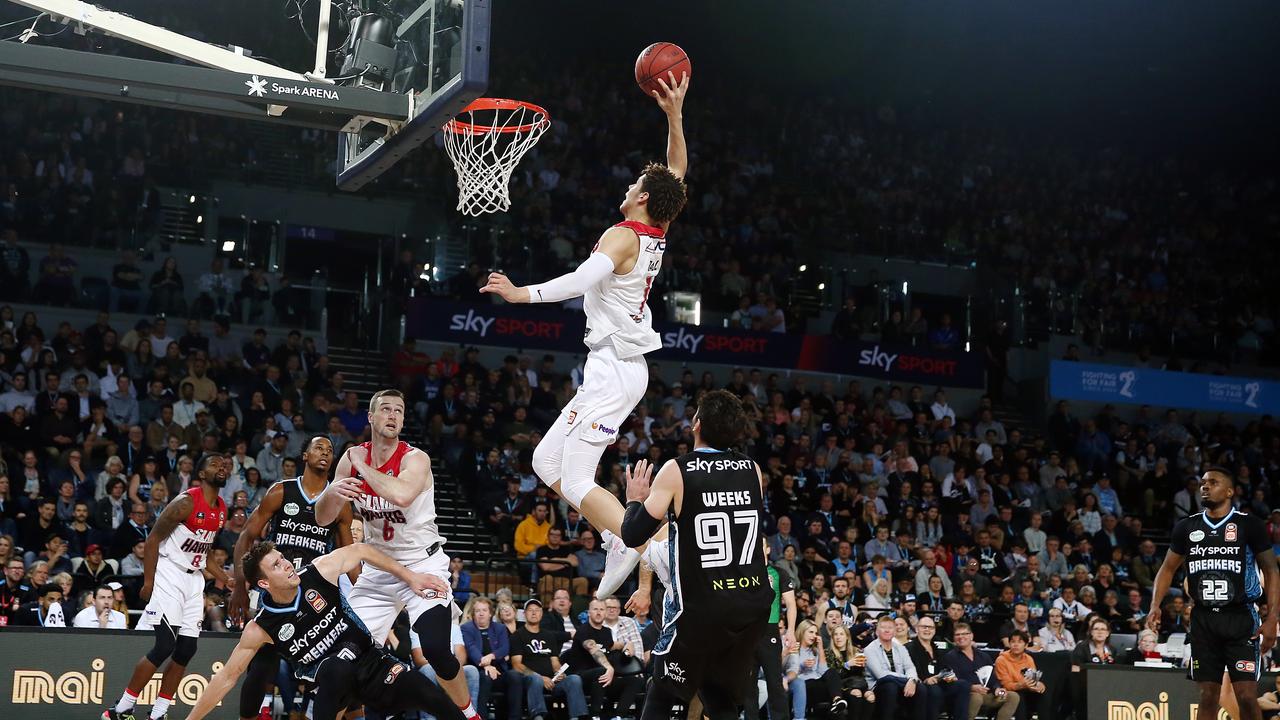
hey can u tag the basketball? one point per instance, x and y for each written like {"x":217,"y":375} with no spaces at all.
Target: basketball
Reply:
{"x":658,"y":59}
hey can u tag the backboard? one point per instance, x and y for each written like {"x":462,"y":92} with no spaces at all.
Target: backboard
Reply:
{"x":437,"y":51}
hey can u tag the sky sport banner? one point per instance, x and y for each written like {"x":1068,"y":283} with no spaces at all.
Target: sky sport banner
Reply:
{"x":76,"y":673}
{"x":1143,"y":386}
{"x":1121,"y":692}
{"x":548,"y":327}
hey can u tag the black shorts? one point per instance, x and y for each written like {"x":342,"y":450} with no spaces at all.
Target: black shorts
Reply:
{"x":700,"y":654}
{"x":1221,"y":640}
{"x":380,"y":682}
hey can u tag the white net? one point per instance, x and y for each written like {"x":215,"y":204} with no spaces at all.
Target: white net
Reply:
{"x":485,"y":143}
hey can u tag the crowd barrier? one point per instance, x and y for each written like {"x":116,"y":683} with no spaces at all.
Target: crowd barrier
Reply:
{"x":58,"y":674}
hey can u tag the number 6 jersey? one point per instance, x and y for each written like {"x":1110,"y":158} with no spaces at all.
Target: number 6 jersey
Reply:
{"x":404,"y":533}
{"x":717,"y":558}
{"x":1221,"y":557}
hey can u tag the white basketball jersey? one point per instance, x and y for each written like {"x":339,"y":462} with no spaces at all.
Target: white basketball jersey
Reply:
{"x":403,"y":533}
{"x":189,"y":544}
{"x":618,"y":307}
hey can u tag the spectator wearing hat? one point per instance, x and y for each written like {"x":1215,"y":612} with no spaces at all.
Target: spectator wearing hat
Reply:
{"x":535,"y":655}
{"x":270,"y":460}
{"x":101,"y":614}
{"x":93,"y":570}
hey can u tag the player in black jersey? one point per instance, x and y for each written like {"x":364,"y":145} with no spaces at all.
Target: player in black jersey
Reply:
{"x":287,"y":513}
{"x":720,"y":597}
{"x":306,"y":617}
{"x":1224,"y":550}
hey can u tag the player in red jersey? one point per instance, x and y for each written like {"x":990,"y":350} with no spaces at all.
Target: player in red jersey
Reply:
{"x":173,"y":585}
{"x":614,"y":282}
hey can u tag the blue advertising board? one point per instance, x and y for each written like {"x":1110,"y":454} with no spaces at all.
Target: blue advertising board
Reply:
{"x":1144,"y":386}
{"x":548,"y":327}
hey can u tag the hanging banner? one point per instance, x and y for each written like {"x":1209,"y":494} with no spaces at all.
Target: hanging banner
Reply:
{"x":549,"y":327}
{"x":1143,"y":386}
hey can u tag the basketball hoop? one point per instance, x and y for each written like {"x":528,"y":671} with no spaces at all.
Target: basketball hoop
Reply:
{"x":485,"y":142}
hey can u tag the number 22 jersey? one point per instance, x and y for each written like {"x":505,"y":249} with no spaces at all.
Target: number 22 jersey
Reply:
{"x":1221,"y":557}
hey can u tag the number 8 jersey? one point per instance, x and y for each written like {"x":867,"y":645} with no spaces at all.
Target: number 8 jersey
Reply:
{"x":1221,"y":557}
{"x":718,"y":564}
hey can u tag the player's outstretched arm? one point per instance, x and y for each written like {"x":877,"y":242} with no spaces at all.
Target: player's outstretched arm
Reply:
{"x":616,"y":251}
{"x":238,"y":606}
{"x":224,"y":681}
{"x":647,"y":506}
{"x":1160,"y":587}
{"x":671,"y":100}
{"x":413,"y":480}
{"x":173,"y":516}
{"x":349,"y":558}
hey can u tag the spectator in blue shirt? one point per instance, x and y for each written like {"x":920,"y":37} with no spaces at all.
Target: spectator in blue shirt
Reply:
{"x":488,"y":646}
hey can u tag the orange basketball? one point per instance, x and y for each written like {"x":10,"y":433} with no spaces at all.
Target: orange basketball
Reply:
{"x":656,"y":61}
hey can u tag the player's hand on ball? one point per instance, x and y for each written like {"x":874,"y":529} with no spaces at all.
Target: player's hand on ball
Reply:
{"x":348,"y":488}
{"x":423,"y":583}
{"x":502,"y":286}
{"x":671,"y":97}
{"x":638,"y":477}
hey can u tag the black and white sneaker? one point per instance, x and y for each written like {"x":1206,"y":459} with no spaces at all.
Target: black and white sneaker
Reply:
{"x":839,"y":707}
{"x":111,"y":714}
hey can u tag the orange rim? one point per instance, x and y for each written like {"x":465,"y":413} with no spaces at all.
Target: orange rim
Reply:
{"x":462,"y":127}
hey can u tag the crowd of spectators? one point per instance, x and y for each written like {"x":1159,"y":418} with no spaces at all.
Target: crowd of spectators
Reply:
{"x":1101,"y":244}
{"x":100,"y":427}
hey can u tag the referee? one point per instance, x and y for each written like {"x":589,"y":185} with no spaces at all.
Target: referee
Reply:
{"x":1224,"y":550}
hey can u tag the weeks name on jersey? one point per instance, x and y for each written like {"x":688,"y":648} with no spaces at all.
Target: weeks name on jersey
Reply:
{"x":722,"y":499}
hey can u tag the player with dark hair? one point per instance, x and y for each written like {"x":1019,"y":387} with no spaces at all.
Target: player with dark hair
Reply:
{"x":720,"y":597}
{"x":174,"y":586}
{"x":1224,"y":550}
{"x":288,"y":513}
{"x":309,"y":621}
{"x":614,"y":283}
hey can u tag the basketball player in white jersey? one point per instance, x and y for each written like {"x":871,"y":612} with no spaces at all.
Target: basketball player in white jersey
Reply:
{"x":391,"y":484}
{"x":173,"y":586}
{"x":614,"y":283}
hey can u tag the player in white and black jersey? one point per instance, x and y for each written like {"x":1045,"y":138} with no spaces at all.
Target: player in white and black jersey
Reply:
{"x":306,"y":617}
{"x":1225,"y":550}
{"x":288,"y":516}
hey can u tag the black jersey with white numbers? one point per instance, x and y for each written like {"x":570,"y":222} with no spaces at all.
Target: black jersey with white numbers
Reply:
{"x":318,"y":624}
{"x":294,"y":529}
{"x":1221,"y":557}
{"x":718,"y":562}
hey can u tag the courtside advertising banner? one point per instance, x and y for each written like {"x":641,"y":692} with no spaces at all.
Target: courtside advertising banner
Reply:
{"x":547,"y":327}
{"x":1143,"y":386}
{"x":56,"y":674}
{"x":1119,"y":692}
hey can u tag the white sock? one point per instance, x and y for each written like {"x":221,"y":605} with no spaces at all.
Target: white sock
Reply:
{"x":606,"y":539}
{"x":267,"y":700}
{"x":161,"y":707}
{"x":127,"y":701}
{"x":469,"y":711}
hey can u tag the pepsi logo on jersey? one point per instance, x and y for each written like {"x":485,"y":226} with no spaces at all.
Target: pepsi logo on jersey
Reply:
{"x":603,"y":428}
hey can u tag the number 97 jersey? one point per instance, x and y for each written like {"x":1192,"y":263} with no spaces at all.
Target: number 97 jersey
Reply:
{"x":1221,"y":557}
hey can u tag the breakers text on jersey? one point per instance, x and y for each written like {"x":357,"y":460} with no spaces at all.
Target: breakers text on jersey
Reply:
{"x":321,"y":646}
{"x":701,"y":465}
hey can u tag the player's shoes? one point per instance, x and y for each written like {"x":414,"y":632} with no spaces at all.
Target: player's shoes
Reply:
{"x":839,"y":707}
{"x":618,"y":565}
{"x":111,"y":714}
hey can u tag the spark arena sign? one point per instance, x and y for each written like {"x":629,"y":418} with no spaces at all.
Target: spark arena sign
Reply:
{"x":549,"y":327}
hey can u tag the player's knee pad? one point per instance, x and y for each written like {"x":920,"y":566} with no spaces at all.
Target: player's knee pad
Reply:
{"x":166,"y":641}
{"x":578,"y":469}
{"x":184,"y":650}
{"x":433,"y":628}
